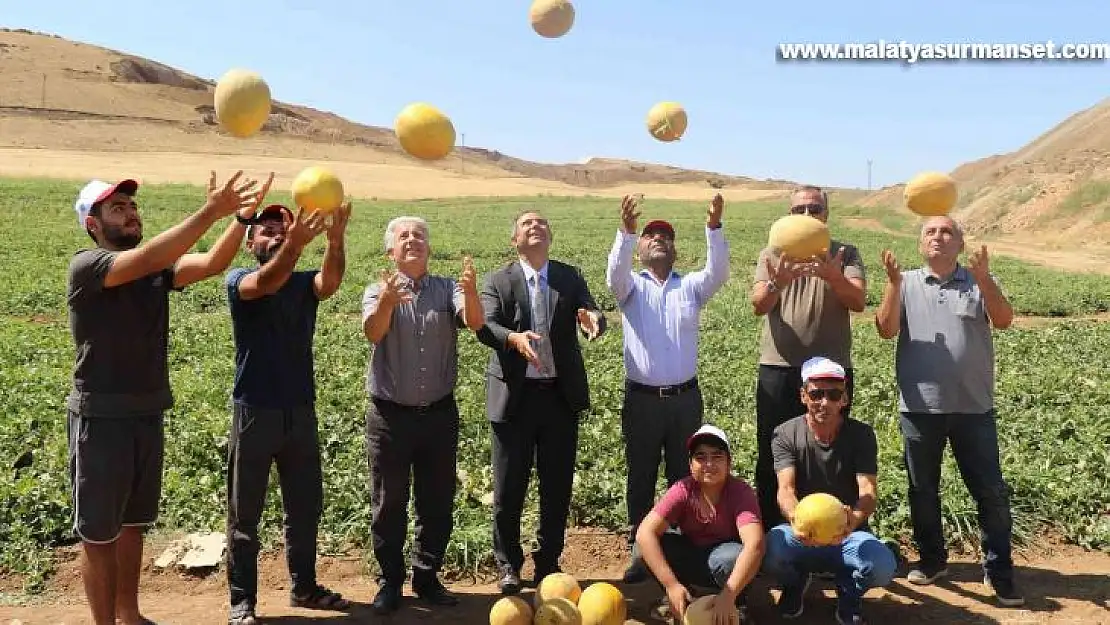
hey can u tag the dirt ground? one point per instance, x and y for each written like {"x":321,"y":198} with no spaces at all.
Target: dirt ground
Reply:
{"x":1062,"y":585}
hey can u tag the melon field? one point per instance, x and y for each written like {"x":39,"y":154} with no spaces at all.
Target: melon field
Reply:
{"x":1053,"y":396}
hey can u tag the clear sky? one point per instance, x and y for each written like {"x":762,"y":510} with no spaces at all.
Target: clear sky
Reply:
{"x":587,"y":93}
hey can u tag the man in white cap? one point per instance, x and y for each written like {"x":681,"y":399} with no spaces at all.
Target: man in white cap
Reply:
{"x":118,"y":297}
{"x":721,"y":544}
{"x":822,"y":451}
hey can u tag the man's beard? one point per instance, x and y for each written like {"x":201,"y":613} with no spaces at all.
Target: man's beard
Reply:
{"x":116,"y":237}
{"x":267,"y":254}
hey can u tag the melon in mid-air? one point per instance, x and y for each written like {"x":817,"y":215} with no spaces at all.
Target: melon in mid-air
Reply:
{"x":700,"y":613}
{"x":242,"y":102}
{"x":799,"y":237}
{"x":510,"y":611}
{"x":317,"y":188}
{"x":558,"y":611}
{"x":424,"y":131}
{"x":820,"y":517}
{"x":558,"y":585}
{"x":666,"y":121}
{"x":601,"y":603}
{"x":551,"y":18}
{"x":931,"y":194}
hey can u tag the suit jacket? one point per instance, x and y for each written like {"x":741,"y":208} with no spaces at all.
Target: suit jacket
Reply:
{"x":507,"y":309}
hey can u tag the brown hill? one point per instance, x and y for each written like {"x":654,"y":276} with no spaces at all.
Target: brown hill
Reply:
{"x":1055,"y":189}
{"x":60,"y":94}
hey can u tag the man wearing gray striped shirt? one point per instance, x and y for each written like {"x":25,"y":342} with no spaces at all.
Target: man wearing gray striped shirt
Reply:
{"x":412,"y":321}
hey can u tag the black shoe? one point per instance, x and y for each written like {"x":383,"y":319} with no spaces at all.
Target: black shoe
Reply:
{"x":388,"y":598}
{"x":510,"y":582}
{"x":1004,"y":591}
{"x":434,"y":593}
{"x":637,"y":572}
{"x":792,"y":601}
{"x":926,"y":573}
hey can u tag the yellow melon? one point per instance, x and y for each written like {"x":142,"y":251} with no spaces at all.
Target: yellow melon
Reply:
{"x":666,"y":121}
{"x":317,"y":188}
{"x":700,"y":613}
{"x":558,"y":585}
{"x":820,"y":517}
{"x":424,"y":131}
{"x":557,"y":611}
{"x":601,"y":603}
{"x":242,"y":102}
{"x":510,"y":611}
{"x":931,"y":194}
{"x":551,"y":18}
{"x":799,"y":237}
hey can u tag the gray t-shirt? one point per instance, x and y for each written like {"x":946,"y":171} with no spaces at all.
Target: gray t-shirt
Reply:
{"x":121,"y":336}
{"x":416,"y":362}
{"x":944,"y":361}
{"x":808,"y":320}
{"x":826,"y":469}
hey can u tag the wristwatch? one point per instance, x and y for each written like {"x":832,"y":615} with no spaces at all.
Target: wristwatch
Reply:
{"x":771,"y":286}
{"x":246,"y":221}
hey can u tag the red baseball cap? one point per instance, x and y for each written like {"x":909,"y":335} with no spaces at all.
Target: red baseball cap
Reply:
{"x":275,"y":209}
{"x":658,"y":224}
{"x":98,"y":191}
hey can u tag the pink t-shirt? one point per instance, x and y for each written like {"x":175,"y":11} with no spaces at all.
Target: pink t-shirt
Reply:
{"x":683,"y":505}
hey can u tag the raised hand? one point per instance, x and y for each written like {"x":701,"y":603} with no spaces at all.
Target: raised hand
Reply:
{"x":338,"y":226}
{"x":629,"y":214}
{"x":890,"y":264}
{"x":588,"y":323}
{"x":304,"y":229}
{"x":978,"y":263}
{"x":395,"y":288}
{"x":469,"y":278}
{"x":713,"y":214}
{"x":828,"y":266}
{"x":785,"y":271}
{"x":251,"y":209}
{"x":227,"y":199}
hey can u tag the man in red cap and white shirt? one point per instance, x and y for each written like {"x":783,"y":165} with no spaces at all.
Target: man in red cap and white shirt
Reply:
{"x":721,"y":544}
{"x":660,"y":311}
{"x":118,"y":297}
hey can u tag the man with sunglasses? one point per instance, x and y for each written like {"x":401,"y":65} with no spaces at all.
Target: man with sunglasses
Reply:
{"x":660,"y":310}
{"x":807,"y":308}
{"x":824,"y":451}
{"x":273,"y":315}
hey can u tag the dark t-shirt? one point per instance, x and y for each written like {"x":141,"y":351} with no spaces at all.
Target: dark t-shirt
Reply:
{"x":827,"y":469}
{"x":273,"y":342}
{"x":121,"y":336}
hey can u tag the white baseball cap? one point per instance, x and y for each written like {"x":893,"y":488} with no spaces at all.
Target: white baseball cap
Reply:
{"x":96,"y":191}
{"x":711,"y":431}
{"x":821,"y":368}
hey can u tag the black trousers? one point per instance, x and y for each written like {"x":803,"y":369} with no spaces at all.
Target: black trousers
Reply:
{"x":421,"y":442}
{"x":545,"y":430}
{"x":655,"y":426}
{"x":260,"y":437}
{"x":777,"y":400}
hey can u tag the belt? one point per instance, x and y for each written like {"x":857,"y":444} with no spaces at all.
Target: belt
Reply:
{"x":663,"y":391}
{"x":544,"y":383}
{"x":419,"y":408}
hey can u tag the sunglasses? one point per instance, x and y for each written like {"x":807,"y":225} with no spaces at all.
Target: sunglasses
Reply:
{"x":817,"y":394}
{"x":811,"y":209}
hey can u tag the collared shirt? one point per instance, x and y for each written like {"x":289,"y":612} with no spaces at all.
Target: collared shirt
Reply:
{"x":416,"y":362}
{"x":944,"y":361}
{"x":660,"y":321}
{"x":529,"y":281}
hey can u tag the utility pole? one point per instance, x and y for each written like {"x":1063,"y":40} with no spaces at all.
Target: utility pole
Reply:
{"x":462,"y":155}
{"x":868,"y":174}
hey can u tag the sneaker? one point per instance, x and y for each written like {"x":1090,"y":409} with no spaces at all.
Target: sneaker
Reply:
{"x":1004,"y":591}
{"x":924,"y":574}
{"x":792,"y":602}
{"x":242,"y":615}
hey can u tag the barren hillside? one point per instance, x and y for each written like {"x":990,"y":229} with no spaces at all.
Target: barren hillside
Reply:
{"x":60,"y":94}
{"x":1054,"y":190}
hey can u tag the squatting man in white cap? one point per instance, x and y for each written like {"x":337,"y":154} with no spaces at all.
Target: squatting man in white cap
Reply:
{"x":118,"y":297}
{"x":721,"y":544}
{"x":822,"y":451}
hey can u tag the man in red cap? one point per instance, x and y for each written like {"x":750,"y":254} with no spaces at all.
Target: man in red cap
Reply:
{"x":118,"y":298}
{"x":273,"y":315}
{"x":660,"y":313}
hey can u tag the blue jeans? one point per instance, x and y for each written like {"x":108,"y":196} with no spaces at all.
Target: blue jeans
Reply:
{"x":859,"y":563}
{"x":707,"y":566}
{"x":974,"y":440}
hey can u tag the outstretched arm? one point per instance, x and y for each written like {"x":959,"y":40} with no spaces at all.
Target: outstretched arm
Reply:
{"x":327,"y":281}
{"x":271,"y":276}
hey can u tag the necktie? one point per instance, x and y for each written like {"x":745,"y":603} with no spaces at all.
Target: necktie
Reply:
{"x":541,"y":326}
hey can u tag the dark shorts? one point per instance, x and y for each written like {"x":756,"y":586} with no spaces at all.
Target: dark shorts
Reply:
{"x":115,"y":473}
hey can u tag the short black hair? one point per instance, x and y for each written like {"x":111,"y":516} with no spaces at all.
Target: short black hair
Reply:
{"x":712,"y":441}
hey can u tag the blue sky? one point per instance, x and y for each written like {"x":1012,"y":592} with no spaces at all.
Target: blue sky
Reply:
{"x":587,"y":93}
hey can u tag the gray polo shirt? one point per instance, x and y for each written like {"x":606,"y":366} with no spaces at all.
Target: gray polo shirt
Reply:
{"x":416,"y":362}
{"x":945,"y":356}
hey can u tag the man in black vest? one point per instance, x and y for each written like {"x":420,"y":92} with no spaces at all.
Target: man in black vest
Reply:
{"x":536,"y":387}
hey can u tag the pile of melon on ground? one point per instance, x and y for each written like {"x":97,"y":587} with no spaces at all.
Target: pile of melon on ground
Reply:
{"x":560,"y":600}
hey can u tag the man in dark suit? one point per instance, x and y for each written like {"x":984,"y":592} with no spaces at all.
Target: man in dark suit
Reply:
{"x":535,"y":389}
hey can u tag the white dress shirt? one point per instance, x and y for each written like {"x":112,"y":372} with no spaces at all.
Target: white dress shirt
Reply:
{"x":660,"y":321}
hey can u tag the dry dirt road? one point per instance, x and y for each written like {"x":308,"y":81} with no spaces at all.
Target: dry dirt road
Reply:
{"x":1061,"y":584}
